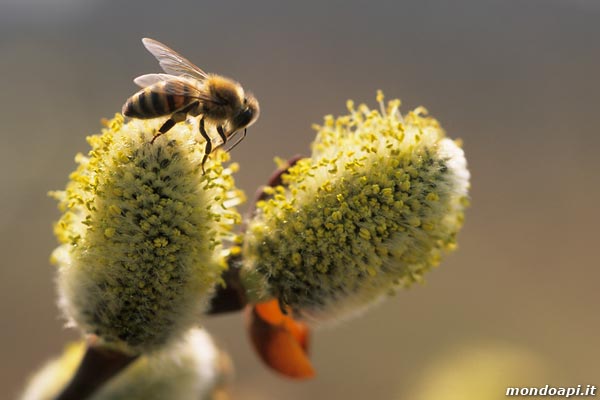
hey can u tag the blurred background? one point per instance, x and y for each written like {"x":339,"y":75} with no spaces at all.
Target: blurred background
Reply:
{"x":518,"y":81}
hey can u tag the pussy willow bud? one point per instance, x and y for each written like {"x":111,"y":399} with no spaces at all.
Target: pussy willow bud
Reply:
{"x":141,"y":232}
{"x":192,"y":369}
{"x":372,"y":210}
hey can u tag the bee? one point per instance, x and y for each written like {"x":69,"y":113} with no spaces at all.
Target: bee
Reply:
{"x":186,"y":90}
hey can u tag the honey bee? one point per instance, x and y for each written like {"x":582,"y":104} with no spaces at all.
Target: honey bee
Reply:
{"x":186,"y":90}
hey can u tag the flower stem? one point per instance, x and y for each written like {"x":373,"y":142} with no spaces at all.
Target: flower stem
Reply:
{"x":98,"y":365}
{"x":231,"y":297}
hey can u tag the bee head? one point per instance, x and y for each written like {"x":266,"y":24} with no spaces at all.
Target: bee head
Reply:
{"x":248,"y":113}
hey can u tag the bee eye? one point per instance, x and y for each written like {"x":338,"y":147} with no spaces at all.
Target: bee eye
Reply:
{"x":244,"y":117}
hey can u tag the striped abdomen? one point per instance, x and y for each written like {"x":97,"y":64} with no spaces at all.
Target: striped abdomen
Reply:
{"x":154,"y":101}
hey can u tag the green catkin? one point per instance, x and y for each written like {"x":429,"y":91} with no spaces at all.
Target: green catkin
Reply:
{"x":142,"y":232}
{"x":380,"y":199}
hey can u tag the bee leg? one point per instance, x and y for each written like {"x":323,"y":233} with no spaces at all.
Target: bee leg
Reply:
{"x":221,"y":135}
{"x":208,"y":147}
{"x":176,"y":118}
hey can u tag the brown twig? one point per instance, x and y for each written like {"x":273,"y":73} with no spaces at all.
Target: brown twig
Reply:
{"x":232,"y":296}
{"x":98,"y":365}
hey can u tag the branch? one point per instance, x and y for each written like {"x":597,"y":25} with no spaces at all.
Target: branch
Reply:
{"x":97,"y":367}
{"x":232,"y":296}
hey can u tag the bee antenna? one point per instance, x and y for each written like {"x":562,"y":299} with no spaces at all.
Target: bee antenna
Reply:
{"x":238,"y":141}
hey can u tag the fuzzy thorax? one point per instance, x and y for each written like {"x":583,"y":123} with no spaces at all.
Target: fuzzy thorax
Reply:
{"x":373,"y":208}
{"x":142,"y":232}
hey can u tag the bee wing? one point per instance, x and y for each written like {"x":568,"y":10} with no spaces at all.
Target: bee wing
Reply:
{"x":177,"y":85}
{"x":171,"y":61}
{"x":151,"y":79}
